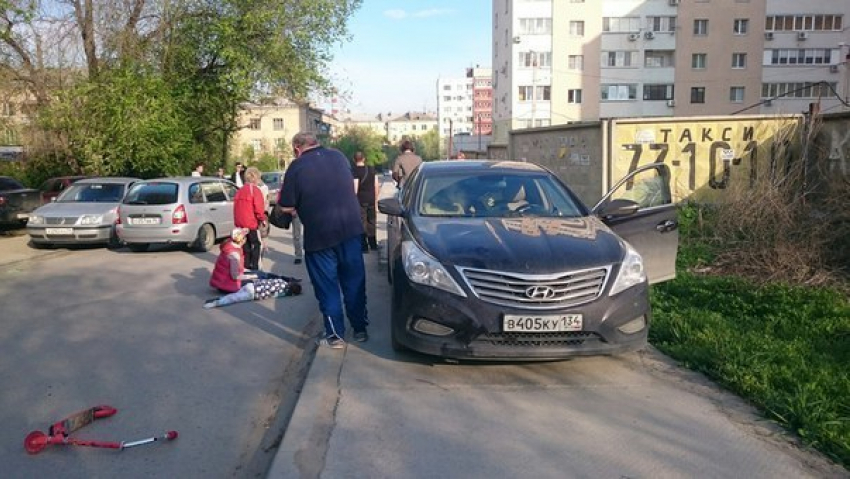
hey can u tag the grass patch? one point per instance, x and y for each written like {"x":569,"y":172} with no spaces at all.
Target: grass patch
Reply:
{"x":784,"y":348}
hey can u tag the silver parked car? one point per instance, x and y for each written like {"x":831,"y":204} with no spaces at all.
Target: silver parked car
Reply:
{"x":194,"y":211}
{"x":85,"y":213}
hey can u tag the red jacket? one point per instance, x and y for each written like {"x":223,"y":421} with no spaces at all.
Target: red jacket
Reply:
{"x":221,"y":278}
{"x":249,"y":207}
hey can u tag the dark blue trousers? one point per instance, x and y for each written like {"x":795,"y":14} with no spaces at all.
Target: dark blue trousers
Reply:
{"x":334,"y":270}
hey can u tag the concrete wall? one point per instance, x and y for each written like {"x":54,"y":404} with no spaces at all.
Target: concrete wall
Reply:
{"x":575,"y":153}
{"x":833,"y":142}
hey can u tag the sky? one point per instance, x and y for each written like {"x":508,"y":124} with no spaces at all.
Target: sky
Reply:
{"x":399,"y":48}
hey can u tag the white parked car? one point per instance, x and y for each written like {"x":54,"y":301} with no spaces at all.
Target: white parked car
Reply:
{"x":84,"y":213}
{"x":194,"y":211}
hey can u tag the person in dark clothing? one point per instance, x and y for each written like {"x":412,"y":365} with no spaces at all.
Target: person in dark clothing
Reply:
{"x":318,"y":187}
{"x":238,"y":176}
{"x":366,"y":186}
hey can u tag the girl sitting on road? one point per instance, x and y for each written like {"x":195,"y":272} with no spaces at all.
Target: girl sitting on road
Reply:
{"x":229,"y":276}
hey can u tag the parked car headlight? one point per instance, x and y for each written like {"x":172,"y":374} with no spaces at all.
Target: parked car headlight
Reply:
{"x":423,"y":269}
{"x":91,"y":220}
{"x":631,"y":272}
{"x":35,"y":220}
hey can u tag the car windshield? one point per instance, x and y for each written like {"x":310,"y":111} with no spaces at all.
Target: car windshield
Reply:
{"x":154,"y":193}
{"x":92,"y":193}
{"x":271,"y":179}
{"x":496,"y":196}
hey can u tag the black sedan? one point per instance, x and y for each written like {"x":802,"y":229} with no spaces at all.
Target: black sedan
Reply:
{"x":500,"y":260}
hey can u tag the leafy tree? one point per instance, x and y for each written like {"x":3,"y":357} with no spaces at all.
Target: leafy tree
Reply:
{"x":174,"y":73}
{"x":363,"y":139}
{"x":428,"y":145}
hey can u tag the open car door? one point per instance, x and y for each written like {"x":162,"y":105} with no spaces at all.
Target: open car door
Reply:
{"x":640,"y":209}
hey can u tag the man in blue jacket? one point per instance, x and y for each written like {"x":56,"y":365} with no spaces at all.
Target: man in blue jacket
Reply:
{"x":319,"y":189}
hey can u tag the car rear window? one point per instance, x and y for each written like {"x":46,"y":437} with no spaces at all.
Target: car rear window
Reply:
{"x":10,"y":184}
{"x":271,"y":179}
{"x":153,"y":193}
{"x":92,"y":193}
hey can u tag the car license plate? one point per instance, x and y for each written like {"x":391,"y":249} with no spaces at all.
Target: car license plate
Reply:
{"x":144,"y":221}
{"x":541,"y":324}
{"x":23,"y":216}
{"x":59,"y":231}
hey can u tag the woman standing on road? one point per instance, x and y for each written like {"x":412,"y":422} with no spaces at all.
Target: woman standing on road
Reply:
{"x":249,"y":212}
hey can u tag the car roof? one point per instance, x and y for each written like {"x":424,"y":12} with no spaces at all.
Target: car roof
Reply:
{"x":465,"y":166}
{"x":108,"y":179}
{"x":185,"y":180}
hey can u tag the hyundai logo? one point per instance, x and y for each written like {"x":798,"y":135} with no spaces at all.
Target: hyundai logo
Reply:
{"x":540,"y":292}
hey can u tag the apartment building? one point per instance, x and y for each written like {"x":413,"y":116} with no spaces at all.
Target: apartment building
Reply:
{"x":268,"y":128}
{"x":464,"y":105}
{"x":560,"y":61}
{"x":394,"y":128}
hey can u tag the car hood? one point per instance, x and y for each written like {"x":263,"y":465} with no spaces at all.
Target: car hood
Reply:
{"x":75,"y":209}
{"x":523,"y":245}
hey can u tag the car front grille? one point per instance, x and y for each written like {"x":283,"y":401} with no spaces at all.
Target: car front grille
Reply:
{"x":60,"y":220}
{"x":521,"y":340}
{"x":536,"y":291}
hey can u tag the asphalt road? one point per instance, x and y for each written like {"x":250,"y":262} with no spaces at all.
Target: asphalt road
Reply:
{"x":88,"y":326}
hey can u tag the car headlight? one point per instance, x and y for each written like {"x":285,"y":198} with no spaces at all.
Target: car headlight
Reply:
{"x":631,"y":272}
{"x":35,"y":220}
{"x":423,"y":269}
{"x":90,"y":220}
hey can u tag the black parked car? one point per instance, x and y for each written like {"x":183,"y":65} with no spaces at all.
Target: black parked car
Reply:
{"x":17,"y":202}
{"x":500,"y":260}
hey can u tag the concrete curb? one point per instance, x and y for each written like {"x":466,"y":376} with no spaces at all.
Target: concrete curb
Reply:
{"x":305,"y":443}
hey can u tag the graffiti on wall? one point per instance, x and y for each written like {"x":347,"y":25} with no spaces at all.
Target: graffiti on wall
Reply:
{"x":707,"y":156}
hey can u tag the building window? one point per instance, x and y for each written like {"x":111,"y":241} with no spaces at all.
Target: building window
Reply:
{"x":257,"y":145}
{"x":254,"y":124}
{"x":8,"y":109}
{"x":829,"y":23}
{"x":577,"y":28}
{"x":535,"y":59}
{"x":800,"y":56}
{"x":701,"y":27}
{"x":447,"y":87}
{"x":661,"y":24}
{"x":620,"y":24}
{"x":658,"y":92}
{"x":277,"y":124}
{"x":619,"y":58}
{"x":698,"y":61}
{"x":739,"y":60}
{"x":616,"y":92}
{"x":575,"y":62}
{"x":574,"y":96}
{"x":524,"y":93}
{"x":736,"y":94}
{"x":535,"y":26}
{"x":797,"y":90}
{"x":740,"y":26}
{"x":659,"y":58}
{"x":544,"y":93}
{"x":698,"y":94}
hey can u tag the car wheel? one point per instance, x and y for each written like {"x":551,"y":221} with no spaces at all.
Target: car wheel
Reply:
{"x":206,"y":238}
{"x":114,"y":242}
{"x":138,"y":247}
{"x":395,"y":318}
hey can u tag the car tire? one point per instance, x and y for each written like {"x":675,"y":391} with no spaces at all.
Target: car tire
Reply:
{"x":114,"y":242}
{"x":138,"y":247}
{"x":395,"y":319}
{"x":206,"y":238}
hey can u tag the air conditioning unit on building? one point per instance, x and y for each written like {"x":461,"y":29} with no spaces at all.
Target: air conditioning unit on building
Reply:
{"x":633,"y":36}
{"x":674,"y":2}
{"x":671,"y":103}
{"x":767,"y":103}
{"x":802,"y":35}
{"x":649,"y":35}
{"x":768,"y":35}
{"x":833,"y":69}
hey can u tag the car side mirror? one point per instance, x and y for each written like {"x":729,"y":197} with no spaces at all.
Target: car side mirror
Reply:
{"x":390,"y":206}
{"x":618,"y":208}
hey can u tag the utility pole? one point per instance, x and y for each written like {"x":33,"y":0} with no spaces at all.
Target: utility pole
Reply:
{"x":479,"y":133}
{"x":451,"y":139}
